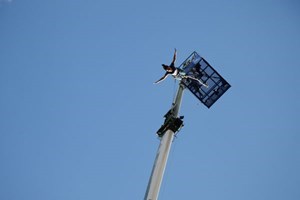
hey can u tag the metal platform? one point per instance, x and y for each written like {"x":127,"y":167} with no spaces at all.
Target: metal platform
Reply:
{"x":197,"y":67}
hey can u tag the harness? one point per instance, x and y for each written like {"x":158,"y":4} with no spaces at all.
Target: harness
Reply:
{"x":178,"y":74}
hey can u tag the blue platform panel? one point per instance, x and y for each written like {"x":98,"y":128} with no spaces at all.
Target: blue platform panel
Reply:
{"x":197,"y":67}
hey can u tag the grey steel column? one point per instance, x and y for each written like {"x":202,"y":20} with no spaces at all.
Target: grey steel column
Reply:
{"x":163,"y":152}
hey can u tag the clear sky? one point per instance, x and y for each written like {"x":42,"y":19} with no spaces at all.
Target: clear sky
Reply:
{"x":79,"y":111}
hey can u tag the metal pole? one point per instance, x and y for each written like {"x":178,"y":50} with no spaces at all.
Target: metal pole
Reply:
{"x":163,"y":152}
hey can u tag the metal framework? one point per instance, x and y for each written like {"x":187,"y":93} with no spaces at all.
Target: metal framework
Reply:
{"x":198,"y":68}
{"x":208,"y":86}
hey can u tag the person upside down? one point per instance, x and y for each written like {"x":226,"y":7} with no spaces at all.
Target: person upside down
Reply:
{"x":176,"y":72}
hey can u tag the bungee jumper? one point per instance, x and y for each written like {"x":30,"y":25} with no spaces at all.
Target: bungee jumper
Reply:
{"x":170,"y":69}
{"x":177,"y":73}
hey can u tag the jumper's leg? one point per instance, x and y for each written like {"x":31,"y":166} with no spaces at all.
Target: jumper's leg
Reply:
{"x":204,"y":84}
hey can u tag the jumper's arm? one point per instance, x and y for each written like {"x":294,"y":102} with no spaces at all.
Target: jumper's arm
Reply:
{"x":174,"y":57}
{"x":162,"y":78}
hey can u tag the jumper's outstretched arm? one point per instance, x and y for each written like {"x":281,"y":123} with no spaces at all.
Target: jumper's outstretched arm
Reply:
{"x":161,"y":79}
{"x":174,"y":57}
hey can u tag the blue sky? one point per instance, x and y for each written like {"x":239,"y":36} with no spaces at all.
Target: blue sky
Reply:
{"x":79,"y":111}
